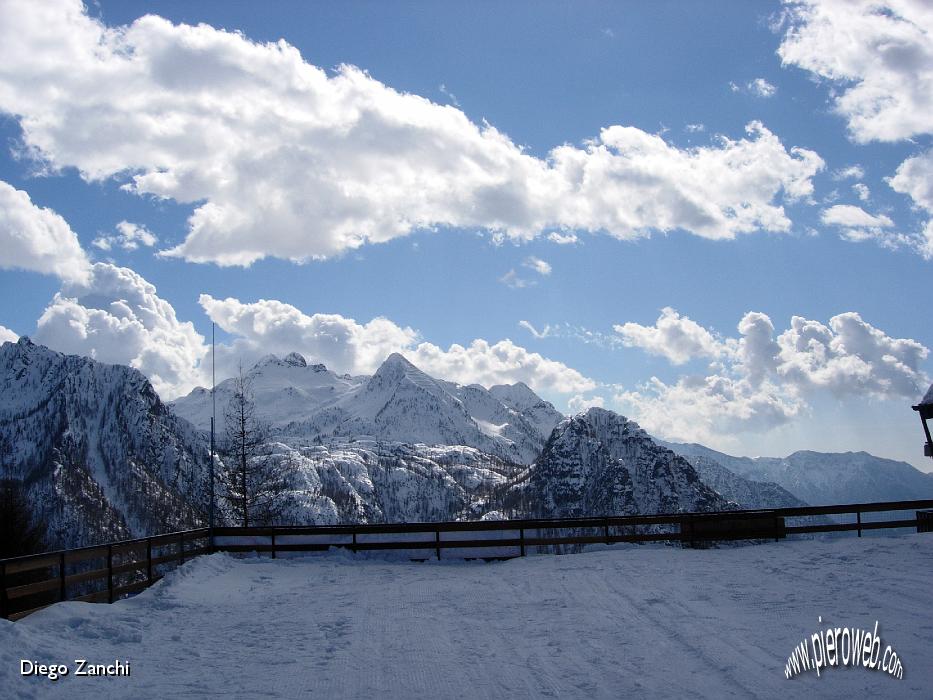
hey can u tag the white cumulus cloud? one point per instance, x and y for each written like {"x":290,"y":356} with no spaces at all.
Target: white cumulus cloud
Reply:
{"x":515,"y":281}
{"x":117,"y":317}
{"x":562,"y":238}
{"x":676,"y":337}
{"x":538,"y":265}
{"x":850,"y":357}
{"x":857,"y":225}
{"x":765,"y":380}
{"x":279,"y":158}
{"x":346,"y":345}
{"x":579,"y":403}
{"x":761,"y":88}
{"x":878,"y":52}
{"x":8,"y":336}
{"x":503,"y":362}
{"x":850,"y":216}
{"x":271,"y":326}
{"x":699,"y":409}
{"x":851,"y":172}
{"x":36,"y":238}
{"x":879,"y":56}
{"x":129,"y":236}
{"x":914,"y":177}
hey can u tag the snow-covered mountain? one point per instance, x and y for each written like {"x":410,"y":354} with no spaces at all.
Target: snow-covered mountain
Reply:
{"x":600,"y":463}
{"x":399,"y":403}
{"x":101,"y":456}
{"x":746,"y":492}
{"x":821,"y":478}
{"x":285,"y":390}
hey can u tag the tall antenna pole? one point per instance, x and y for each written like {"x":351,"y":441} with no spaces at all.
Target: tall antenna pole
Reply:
{"x":213,"y":417}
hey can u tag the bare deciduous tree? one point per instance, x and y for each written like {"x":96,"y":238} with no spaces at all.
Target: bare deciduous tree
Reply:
{"x":254,"y":481}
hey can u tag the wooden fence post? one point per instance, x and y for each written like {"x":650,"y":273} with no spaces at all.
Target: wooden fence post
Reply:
{"x":181,"y":546}
{"x":149,"y":560}
{"x":858,"y":516}
{"x":521,"y":537}
{"x":353,"y":546}
{"x":109,"y":573}
{"x":61,"y":576}
{"x":4,"y":612}
{"x":607,"y":530}
{"x":437,"y":540}
{"x":273,"y":544}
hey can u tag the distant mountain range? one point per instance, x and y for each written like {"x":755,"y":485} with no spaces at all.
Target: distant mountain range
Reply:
{"x":822,"y":478}
{"x":399,"y":403}
{"x":102,"y":457}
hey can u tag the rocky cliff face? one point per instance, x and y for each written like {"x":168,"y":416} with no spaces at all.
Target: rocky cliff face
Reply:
{"x":600,"y":463}
{"x":100,"y":455}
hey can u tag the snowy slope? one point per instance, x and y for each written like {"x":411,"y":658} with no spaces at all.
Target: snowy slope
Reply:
{"x":285,"y":390}
{"x":745,"y":492}
{"x":821,"y":478}
{"x":541,"y":414}
{"x":631,"y":622}
{"x":600,"y":463}
{"x":101,"y":456}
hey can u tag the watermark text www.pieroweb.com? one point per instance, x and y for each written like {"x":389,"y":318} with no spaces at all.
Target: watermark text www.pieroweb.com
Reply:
{"x":832,"y":647}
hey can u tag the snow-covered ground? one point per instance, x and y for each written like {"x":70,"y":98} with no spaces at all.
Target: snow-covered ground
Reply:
{"x":631,"y":621}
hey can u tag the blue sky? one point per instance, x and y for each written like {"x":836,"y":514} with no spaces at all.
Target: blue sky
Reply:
{"x":470,"y":261}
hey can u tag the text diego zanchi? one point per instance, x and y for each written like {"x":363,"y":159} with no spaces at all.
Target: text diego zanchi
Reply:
{"x":81,"y":667}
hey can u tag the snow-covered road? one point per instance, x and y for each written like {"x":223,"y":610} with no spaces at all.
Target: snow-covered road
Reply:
{"x":632,"y":621}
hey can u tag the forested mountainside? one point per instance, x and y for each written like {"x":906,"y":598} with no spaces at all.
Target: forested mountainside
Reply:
{"x":100,"y":456}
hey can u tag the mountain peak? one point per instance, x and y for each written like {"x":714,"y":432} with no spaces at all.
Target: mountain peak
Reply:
{"x":601,"y":463}
{"x":397,"y":360}
{"x":518,"y":395}
{"x":265,"y":360}
{"x":295,"y":359}
{"x":597,"y":416}
{"x":395,"y":367}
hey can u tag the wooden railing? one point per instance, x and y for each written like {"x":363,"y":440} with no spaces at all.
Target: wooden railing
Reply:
{"x":503,"y":539}
{"x":93,"y":574}
{"x":33,"y":582}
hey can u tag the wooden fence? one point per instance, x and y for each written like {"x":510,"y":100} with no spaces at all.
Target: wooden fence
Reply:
{"x":33,"y":582}
{"x":519,"y":535}
{"x":103,"y":573}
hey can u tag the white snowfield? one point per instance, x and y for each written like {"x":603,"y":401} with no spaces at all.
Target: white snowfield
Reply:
{"x":631,"y":621}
